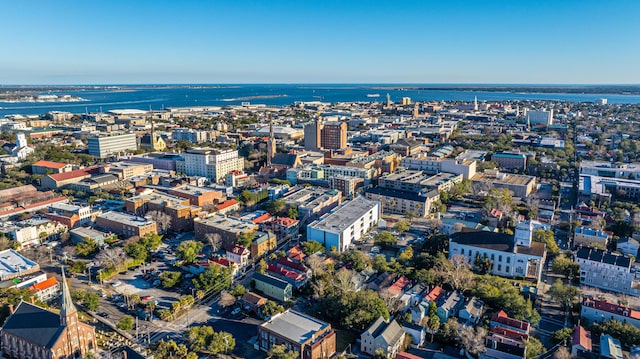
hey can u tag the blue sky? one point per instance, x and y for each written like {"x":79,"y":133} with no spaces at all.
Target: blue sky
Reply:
{"x":348,"y":41}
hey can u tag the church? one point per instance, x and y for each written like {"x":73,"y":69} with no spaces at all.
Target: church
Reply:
{"x":33,"y":332}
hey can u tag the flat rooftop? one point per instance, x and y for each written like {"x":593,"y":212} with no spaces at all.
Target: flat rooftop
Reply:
{"x":228,"y":224}
{"x":345,"y":215}
{"x":295,"y":326}
{"x":509,"y":179}
{"x":11,"y":263}
{"x":127,"y":219}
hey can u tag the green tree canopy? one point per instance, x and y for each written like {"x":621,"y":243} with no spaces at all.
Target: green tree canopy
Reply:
{"x":170,"y":279}
{"x":125,"y":323}
{"x":354,"y":310}
{"x":188,"y":251}
{"x":312,"y":247}
{"x":385,"y":238}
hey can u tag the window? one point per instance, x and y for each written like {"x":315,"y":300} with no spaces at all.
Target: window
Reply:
{"x":507,"y":269}
{"x":499,"y":267}
{"x":508,"y":259}
{"x":499,"y":259}
{"x":493,"y":256}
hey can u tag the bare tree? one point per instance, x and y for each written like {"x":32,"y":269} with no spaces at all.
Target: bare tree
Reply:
{"x":319,"y":288}
{"x":435,"y":225}
{"x":562,"y":353}
{"x":472,"y":340}
{"x":214,"y":240}
{"x":227,"y":299}
{"x":162,"y":219}
{"x":458,"y":227}
{"x":456,"y":271}
{"x":391,"y":300}
{"x":342,"y":280}
{"x":112,"y":257}
{"x":316,"y":264}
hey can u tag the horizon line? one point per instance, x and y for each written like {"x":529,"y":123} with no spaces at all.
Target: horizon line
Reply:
{"x":469,"y":84}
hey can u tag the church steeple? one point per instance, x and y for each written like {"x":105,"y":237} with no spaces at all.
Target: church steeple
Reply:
{"x":271,"y":143}
{"x":68,"y":312}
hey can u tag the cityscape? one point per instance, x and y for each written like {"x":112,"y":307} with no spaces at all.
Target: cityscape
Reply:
{"x":156,"y":206}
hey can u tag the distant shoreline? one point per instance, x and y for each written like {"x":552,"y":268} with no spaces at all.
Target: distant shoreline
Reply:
{"x":525,"y":89}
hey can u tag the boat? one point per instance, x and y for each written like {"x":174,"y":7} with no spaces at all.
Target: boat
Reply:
{"x":373,"y":95}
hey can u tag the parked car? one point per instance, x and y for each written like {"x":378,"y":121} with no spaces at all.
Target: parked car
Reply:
{"x":116,"y":283}
{"x":236,"y":311}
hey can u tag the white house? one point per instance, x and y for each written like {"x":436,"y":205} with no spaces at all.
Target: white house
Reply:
{"x":608,"y":271}
{"x":628,"y":246}
{"x":238,"y":254}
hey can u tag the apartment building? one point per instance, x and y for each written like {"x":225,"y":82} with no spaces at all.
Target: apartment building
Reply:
{"x":608,"y":271}
{"x":595,"y":310}
{"x":433,"y":164}
{"x":179,"y":209}
{"x":72,"y":215}
{"x":346,"y":224}
{"x":394,"y":201}
{"x":210,"y":163}
{"x":313,"y":202}
{"x":520,"y":185}
{"x":311,"y":338}
{"x":589,"y":237}
{"x":126,"y":225}
{"x":229,"y":228}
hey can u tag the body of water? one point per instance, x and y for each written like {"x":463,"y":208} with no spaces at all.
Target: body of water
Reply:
{"x":143,"y":98}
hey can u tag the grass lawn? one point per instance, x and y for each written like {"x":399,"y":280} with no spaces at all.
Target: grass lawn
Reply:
{"x":345,"y":337}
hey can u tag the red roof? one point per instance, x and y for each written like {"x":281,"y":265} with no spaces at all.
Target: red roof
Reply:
{"x":296,"y":253}
{"x":238,"y":249}
{"x":226,"y":204}
{"x":284,"y":272}
{"x":502,"y":318}
{"x":581,"y":337}
{"x":509,"y":333}
{"x":399,"y":285}
{"x":405,"y":355}
{"x":263,"y":218}
{"x":434,"y":294}
{"x":609,"y":307}
{"x":46,"y":284}
{"x":222,"y":261}
{"x":72,"y":174}
{"x":286,"y":221}
{"x":285,"y":261}
{"x":49,"y":164}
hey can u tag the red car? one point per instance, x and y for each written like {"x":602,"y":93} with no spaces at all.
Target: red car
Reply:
{"x":145,"y":298}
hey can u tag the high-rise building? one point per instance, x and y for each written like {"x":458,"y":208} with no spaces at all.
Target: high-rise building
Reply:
{"x":334,"y":135}
{"x":211,"y":163}
{"x":105,"y":146}
{"x":190,"y":135}
{"x":312,"y":136}
{"x":406,"y":101}
{"x":539,"y":117}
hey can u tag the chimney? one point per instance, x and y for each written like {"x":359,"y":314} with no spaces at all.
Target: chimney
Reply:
{"x":11,"y":308}
{"x":33,"y":300}
{"x":124,"y":354}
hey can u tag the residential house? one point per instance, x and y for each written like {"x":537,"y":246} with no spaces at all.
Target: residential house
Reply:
{"x":46,"y":290}
{"x":263,"y":242}
{"x":449,"y":306}
{"x":273,"y":287}
{"x":228,"y":206}
{"x":505,"y":343}
{"x":589,"y":237}
{"x":296,"y":279}
{"x":610,"y":347}
{"x":253,"y":302}
{"x":416,"y":332}
{"x":628,"y":246}
{"x":309,"y":337}
{"x":580,"y":341}
{"x":501,"y":319}
{"x":595,"y":310}
{"x":238,"y":254}
{"x":382,"y":334}
{"x":471,"y":311}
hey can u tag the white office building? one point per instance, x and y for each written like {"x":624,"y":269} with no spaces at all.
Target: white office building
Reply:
{"x":608,"y":271}
{"x":539,"y":117}
{"x":346,"y":224}
{"x":105,"y":146}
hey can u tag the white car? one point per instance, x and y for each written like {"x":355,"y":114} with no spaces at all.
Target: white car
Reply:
{"x":116,"y":283}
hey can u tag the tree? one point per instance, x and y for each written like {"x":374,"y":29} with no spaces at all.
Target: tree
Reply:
{"x":137,"y":251}
{"x":498,"y":292}
{"x":316,"y":264}
{"x":87,"y":247}
{"x":562,"y":353}
{"x":213,"y":278}
{"x":276,"y":207}
{"x":312,"y":247}
{"x":188,"y":251}
{"x":456,"y":271}
{"x":170,"y":279}
{"x":281,"y":352}
{"x":406,"y":255}
{"x":534,"y":348}
{"x":162,"y":220}
{"x":483,"y":264}
{"x":238,"y":291}
{"x":227,"y":299}
{"x":560,"y":336}
{"x":151,"y":241}
{"x":547,"y":237}
{"x":385,"y":238}
{"x":293,"y":212}
{"x":565,"y":294}
{"x":564,"y":265}
{"x":402,"y":226}
{"x":214,"y":240}
{"x":472,"y":340}
{"x":354,"y":310}
{"x":628,"y":334}
{"x":410,"y":216}
{"x":172,"y":350}
{"x":262,"y":266}
{"x":270,"y":308}
{"x":125,"y":323}
{"x":205,"y":339}
{"x":245,"y":238}
{"x":380,"y":263}
{"x":91,"y":301}
{"x":431,"y":323}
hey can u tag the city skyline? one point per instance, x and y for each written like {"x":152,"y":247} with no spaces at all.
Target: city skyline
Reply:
{"x":412,"y":42}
